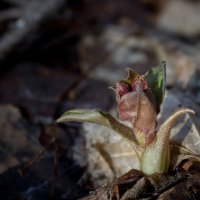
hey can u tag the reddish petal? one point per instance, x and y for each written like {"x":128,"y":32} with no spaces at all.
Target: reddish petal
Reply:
{"x":138,"y":110}
{"x":121,"y":90}
{"x":146,"y":118}
{"x":127,"y":107}
{"x":139,"y":84}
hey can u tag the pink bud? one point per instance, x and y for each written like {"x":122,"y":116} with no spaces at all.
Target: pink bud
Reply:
{"x":136,"y":106}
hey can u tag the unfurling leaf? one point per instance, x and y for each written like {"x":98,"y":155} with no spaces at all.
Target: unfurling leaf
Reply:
{"x":156,"y":78}
{"x":102,"y":118}
{"x":156,"y":156}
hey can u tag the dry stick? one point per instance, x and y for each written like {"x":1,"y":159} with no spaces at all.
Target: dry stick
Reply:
{"x":37,"y":157}
{"x":23,"y":171}
{"x":35,"y":14}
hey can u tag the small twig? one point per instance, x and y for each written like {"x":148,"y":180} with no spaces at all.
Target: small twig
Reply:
{"x":23,"y":171}
{"x":37,"y":157}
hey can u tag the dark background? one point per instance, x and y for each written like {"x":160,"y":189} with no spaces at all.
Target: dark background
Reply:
{"x":59,"y":54}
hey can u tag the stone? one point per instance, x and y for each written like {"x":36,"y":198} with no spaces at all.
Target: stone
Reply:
{"x":185,"y":22}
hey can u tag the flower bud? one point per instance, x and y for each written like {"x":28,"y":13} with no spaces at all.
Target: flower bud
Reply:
{"x":136,"y":105}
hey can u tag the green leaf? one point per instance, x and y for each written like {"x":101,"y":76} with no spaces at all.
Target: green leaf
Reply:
{"x":102,"y":118}
{"x":156,"y":156}
{"x":156,"y":78}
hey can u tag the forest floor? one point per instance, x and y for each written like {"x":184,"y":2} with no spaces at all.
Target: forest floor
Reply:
{"x":56,"y":55}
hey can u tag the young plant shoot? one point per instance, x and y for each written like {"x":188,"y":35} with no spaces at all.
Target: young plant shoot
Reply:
{"x":138,"y":98}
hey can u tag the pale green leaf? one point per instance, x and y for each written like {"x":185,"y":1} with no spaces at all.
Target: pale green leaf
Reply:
{"x":102,"y":118}
{"x":156,"y":156}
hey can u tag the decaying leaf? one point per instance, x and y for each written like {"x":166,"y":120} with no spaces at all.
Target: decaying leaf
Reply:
{"x":140,"y":188}
{"x":102,"y":193}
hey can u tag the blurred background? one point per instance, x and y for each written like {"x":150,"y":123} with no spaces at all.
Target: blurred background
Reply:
{"x":61,"y":54}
